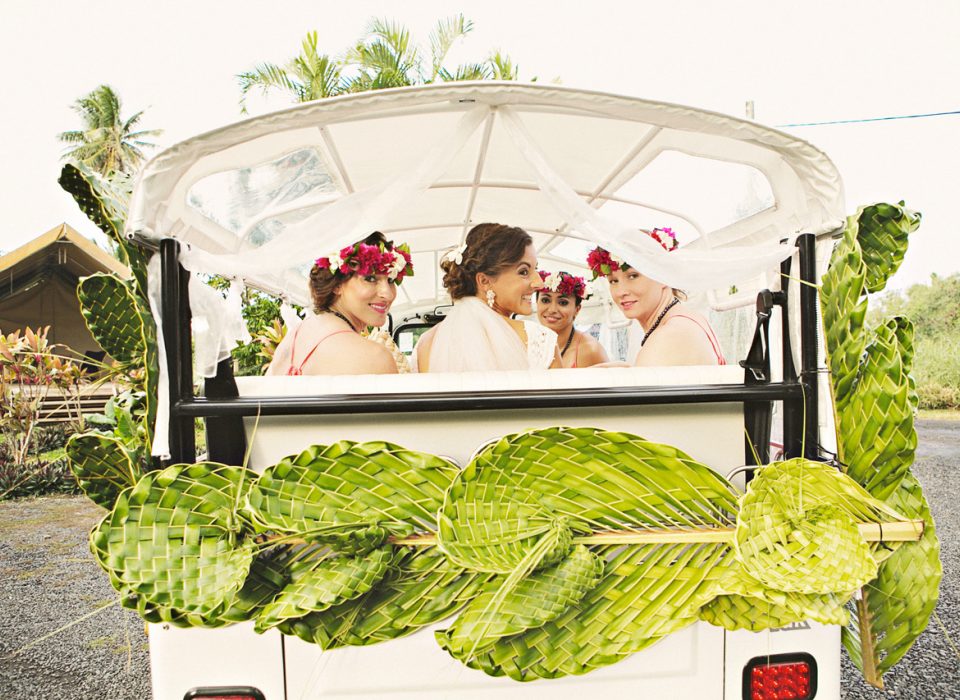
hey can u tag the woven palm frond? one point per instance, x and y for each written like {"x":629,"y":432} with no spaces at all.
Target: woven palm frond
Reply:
{"x":843,"y":307}
{"x":896,"y":606}
{"x":268,"y":575}
{"x":102,"y":466}
{"x":123,"y":326}
{"x":646,"y":592}
{"x":424,"y":587}
{"x":319,"y":584}
{"x":536,"y":600}
{"x":116,"y":317}
{"x":882,"y":232}
{"x":175,"y":538}
{"x":351,"y":495}
{"x":877,"y":437}
{"x":514,"y":504}
{"x":546,"y":481}
{"x":797,"y":529}
{"x":747,"y":604}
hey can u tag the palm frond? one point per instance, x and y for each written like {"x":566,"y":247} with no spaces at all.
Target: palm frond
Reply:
{"x":444,"y":35}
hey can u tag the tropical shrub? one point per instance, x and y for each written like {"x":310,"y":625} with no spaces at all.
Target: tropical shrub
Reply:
{"x":31,"y":368}
{"x":36,"y":478}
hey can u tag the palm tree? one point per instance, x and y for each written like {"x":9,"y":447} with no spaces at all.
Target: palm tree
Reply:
{"x":107,"y":142}
{"x":385,"y":56}
{"x":308,"y":76}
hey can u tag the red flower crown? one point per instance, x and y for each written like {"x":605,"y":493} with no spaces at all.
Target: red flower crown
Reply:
{"x":602,"y":262}
{"x":365,"y":259}
{"x":564,"y":283}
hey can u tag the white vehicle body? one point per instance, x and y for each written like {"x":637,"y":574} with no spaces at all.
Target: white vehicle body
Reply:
{"x":613,"y":152}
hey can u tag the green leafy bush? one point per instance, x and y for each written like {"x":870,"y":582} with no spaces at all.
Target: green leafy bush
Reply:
{"x":38,"y":478}
{"x":48,"y":438}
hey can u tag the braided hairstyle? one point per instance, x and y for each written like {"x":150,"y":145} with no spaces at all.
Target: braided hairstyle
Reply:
{"x":324,"y":283}
{"x":490,"y":249}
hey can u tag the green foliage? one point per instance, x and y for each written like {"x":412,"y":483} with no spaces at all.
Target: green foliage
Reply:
{"x":36,"y":478}
{"x":934,"y":309}
{"x":107,"y":142}
{"x":261,"y":313}
{"x":357,"y":543}
{"x":385,"y":56}
{"x":103,"y":466}
{"x":876,"y":398}
{"x":897,"y":605}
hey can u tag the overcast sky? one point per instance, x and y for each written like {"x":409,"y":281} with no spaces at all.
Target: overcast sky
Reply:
{"x":799,"y":62}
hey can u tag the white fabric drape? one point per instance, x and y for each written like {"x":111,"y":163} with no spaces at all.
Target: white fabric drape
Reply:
{"x":344,"y":222}
{"x":475,"y":338}
{"x":692,"y":270}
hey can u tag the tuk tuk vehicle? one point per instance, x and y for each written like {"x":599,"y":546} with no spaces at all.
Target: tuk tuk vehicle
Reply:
{"x":757,"y":211}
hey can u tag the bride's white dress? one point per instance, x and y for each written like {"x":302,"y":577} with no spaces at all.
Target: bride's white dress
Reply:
{"x":474,"y":338}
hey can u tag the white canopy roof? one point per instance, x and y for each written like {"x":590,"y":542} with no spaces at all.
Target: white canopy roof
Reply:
{"x":262,"y":198}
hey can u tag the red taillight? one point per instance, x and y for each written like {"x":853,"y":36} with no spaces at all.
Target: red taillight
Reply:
{"x":224,"y":693}
{"x":780,"y":677}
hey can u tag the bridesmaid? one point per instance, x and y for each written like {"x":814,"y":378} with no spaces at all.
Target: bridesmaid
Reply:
{"x":558,"y":304}
{"x":352,"y":291}
{"x":673,"y":333}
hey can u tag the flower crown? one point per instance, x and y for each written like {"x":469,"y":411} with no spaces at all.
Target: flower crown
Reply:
{"x":602,"y":262}
{"x":370,"y":259}
{"x":564,"y":283}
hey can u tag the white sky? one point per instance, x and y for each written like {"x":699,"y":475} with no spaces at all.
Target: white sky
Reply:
{"x":798,"y":61}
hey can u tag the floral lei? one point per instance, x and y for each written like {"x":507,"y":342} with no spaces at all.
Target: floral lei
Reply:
{"x":564,"y":283}
{"x":365,"y":259}
{"x":602,"y":262}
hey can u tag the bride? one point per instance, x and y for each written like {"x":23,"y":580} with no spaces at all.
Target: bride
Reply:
{"x":491,"y":277}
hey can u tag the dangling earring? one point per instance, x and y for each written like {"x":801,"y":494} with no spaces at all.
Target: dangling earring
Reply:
{"x":491,"y":298}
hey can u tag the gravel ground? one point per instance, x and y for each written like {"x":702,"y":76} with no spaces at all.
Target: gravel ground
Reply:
{"x":48,"y":579}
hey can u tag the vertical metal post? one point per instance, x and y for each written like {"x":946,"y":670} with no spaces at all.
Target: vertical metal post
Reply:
{"x":792,"y":409}
{"x":809,"y":343}
{"x":175,"y":307}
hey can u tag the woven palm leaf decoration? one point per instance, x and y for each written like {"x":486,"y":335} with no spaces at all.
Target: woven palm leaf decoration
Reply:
{"x":344,"y":505}
{"x":875,"y":401}
{"x":897,"y":605}
{"x":118,"y":318}
{"x":102,"y":466}
{"x":538,"y":508}
{"x":105,"y":202}
{"x":177,"y":541}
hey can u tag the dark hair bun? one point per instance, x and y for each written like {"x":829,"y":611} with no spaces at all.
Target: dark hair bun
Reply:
{"x":490,"y":249}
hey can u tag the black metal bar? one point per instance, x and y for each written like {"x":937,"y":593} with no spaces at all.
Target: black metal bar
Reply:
{"x":809,"y":343}
{"x":757,"y":415}
{"x":484,"y":401}
{"x":170,"y":310}
{"x":185,"y":425}
{"x":226,"y":439}
{"x":792,"y":410}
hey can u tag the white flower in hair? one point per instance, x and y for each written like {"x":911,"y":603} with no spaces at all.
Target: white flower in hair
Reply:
{"x":552,"y":281}
{"x":398,"y":265}
{"x":455,"y":255}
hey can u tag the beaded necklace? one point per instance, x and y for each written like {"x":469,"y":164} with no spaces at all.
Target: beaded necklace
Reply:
{"x":569,"y":340}
{"x":659,"y":319}
{"x":342,"y":318}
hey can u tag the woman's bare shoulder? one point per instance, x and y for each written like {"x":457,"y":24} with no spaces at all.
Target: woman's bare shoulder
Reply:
{"x":591,"y":351}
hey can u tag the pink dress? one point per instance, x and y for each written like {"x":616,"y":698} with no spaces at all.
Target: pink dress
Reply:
{"x":296,"y":370}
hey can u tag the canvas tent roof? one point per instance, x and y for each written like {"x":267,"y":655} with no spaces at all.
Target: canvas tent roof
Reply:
{"x":38,"y":284}
{"x":262,"y":198}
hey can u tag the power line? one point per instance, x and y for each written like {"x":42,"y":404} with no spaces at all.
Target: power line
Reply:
{"x":872,"y":119}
